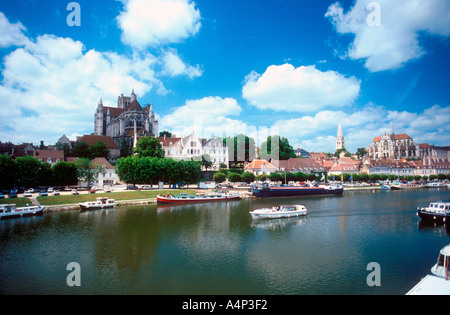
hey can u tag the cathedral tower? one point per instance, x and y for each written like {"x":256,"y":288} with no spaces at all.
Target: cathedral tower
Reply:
{"x":340,"y":142}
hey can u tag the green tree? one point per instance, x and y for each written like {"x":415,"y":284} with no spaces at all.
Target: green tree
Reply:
{"x":127,"y":169}
{"x":125,"y":148}
{"x":65,"y":174}
{"x":261,"y":177}
{"x":149,"y":146}
{"x":8,"y":172}
{"x":87,"y":171}
{"x":281,"y":145}
{"x":248,"y":177}
{"x":219,"y":177}
{"x":165,"y":133}
{"x":98,"y":150}
{"x":29,"y":171}
{"x":275,"y":177}
{"x":360,"y":152}
{"x":234,"y":177}
{"x":240,"y":148}
{"x":81,"y":149}
{"x":206,"y":161}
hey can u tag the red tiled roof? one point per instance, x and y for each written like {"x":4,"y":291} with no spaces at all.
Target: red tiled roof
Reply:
{"x":258,"y":164}
{"x":93,"y":139}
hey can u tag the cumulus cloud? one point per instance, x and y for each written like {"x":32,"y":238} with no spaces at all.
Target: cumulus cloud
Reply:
{"x":11,"y":34}
{"x":53,"y":81}
{"x":206,"y":116}
{"x":173,"y":65}
{"x":152,"y":23}
{"x":318,"y":132}
{"x":395,"y":41}
{"x":302,"y":89}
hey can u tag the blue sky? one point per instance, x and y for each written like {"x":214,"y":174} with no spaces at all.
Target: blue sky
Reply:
{"x":297,"y":68}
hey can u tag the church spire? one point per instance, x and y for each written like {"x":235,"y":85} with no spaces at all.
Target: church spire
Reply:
{"x":340,"y":142}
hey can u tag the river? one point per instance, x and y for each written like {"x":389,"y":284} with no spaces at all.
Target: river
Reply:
{"x":216,"y":248}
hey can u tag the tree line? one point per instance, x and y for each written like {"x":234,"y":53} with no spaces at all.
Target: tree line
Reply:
{"x":29,"y":172}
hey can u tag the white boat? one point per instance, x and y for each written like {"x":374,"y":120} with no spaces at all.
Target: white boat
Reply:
{"x":442,"y":266}
{"x":286,"y":211}
{"x":435,"y":185}
{"x":200,"y":197}
{"x":437,"y":283}
{"x":436,"y":211}
{"x":101,"y":203}
{"x":10,"y":211}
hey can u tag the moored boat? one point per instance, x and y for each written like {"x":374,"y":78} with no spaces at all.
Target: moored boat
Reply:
{"x":100,"y":203}
{"x":436,"y":211}
{"x":406,"y":186}
{"x":437,"y":283}
{"x":185,"y":198}
{"x":10,"y":211}
{"x":287,"y":191}
{"x":284,"y":211}
{"x":435,"y":185}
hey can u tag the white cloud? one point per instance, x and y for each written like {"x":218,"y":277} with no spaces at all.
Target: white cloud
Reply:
{"x":174,"y":66}
{"x":318,"y":132}
{"x":207,"y":116}
{"x":155,"y":22}
{"x":396,"y":40}
{"x":302,"y":89}
{"x":53,"y":82}
{"x":11,"y":34}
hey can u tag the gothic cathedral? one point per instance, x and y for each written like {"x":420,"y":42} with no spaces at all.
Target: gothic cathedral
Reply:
{"x":126,"y":121}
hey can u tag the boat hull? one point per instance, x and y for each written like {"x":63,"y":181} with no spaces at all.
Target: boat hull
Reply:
{"x":433,"y":216}
{"x":256,"y":215}
{"x":164,"y":199}
{"x":25,"y":213}
{"x":295,"y":191}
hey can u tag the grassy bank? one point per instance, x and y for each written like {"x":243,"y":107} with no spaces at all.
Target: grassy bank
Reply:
{"x":19,"y":202}
{"x":125,"y":195}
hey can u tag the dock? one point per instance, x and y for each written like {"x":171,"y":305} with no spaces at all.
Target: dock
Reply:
{"x":431,"y":285}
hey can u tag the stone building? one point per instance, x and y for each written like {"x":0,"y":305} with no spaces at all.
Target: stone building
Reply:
{"x":123,"y":121}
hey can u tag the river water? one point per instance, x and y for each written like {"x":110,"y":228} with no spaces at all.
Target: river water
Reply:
{"x":217,"y":248}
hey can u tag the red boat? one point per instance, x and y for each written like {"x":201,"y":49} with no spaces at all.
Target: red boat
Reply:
{"x":184,"y":198}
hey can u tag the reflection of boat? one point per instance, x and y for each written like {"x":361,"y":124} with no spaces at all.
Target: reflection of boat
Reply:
{"x":10,"y":211}
{"x":185,"y":198}
{"x":438,"y":283}
{"x":279,"y":212}
{"x":436,"y":211}
{"x":277,"y":224}
{"x":101,"y":203}
{"x":286,"y":191}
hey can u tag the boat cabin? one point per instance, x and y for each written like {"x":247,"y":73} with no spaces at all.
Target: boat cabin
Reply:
{"x":439,"y":207}
{"x":442,"y":267}
{"x":7,"y":208}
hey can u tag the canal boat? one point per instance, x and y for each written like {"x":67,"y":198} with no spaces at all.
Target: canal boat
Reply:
{"x":200,"y":197}
{"x":284,"y":211}
{"x":435,"y":185}
{"x":10,"y":211}
{"x":287,"y":190}
{"x":437,"y":283}
{"x":100,"y":203}
{"x":436,"y":211}
{"x":406,"y":186}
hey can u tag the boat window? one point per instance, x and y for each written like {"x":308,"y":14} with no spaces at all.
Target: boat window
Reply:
{"x":441,"y":260}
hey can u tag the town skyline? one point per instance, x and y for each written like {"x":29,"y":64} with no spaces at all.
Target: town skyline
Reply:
{"x":237,"y":66}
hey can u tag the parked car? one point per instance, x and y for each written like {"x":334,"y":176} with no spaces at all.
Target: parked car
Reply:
{"x":27,"y":194}
{"x":146,"y":188}
{"x":50,"y":190}
{"x":56,"y":193}
{"x":43,"y":193}
{"x":131,"y":187}
{"x":13,"y":193}
{"x":75,"y":192}
{"x":2,"y":195}
{"x":92,"y":190}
